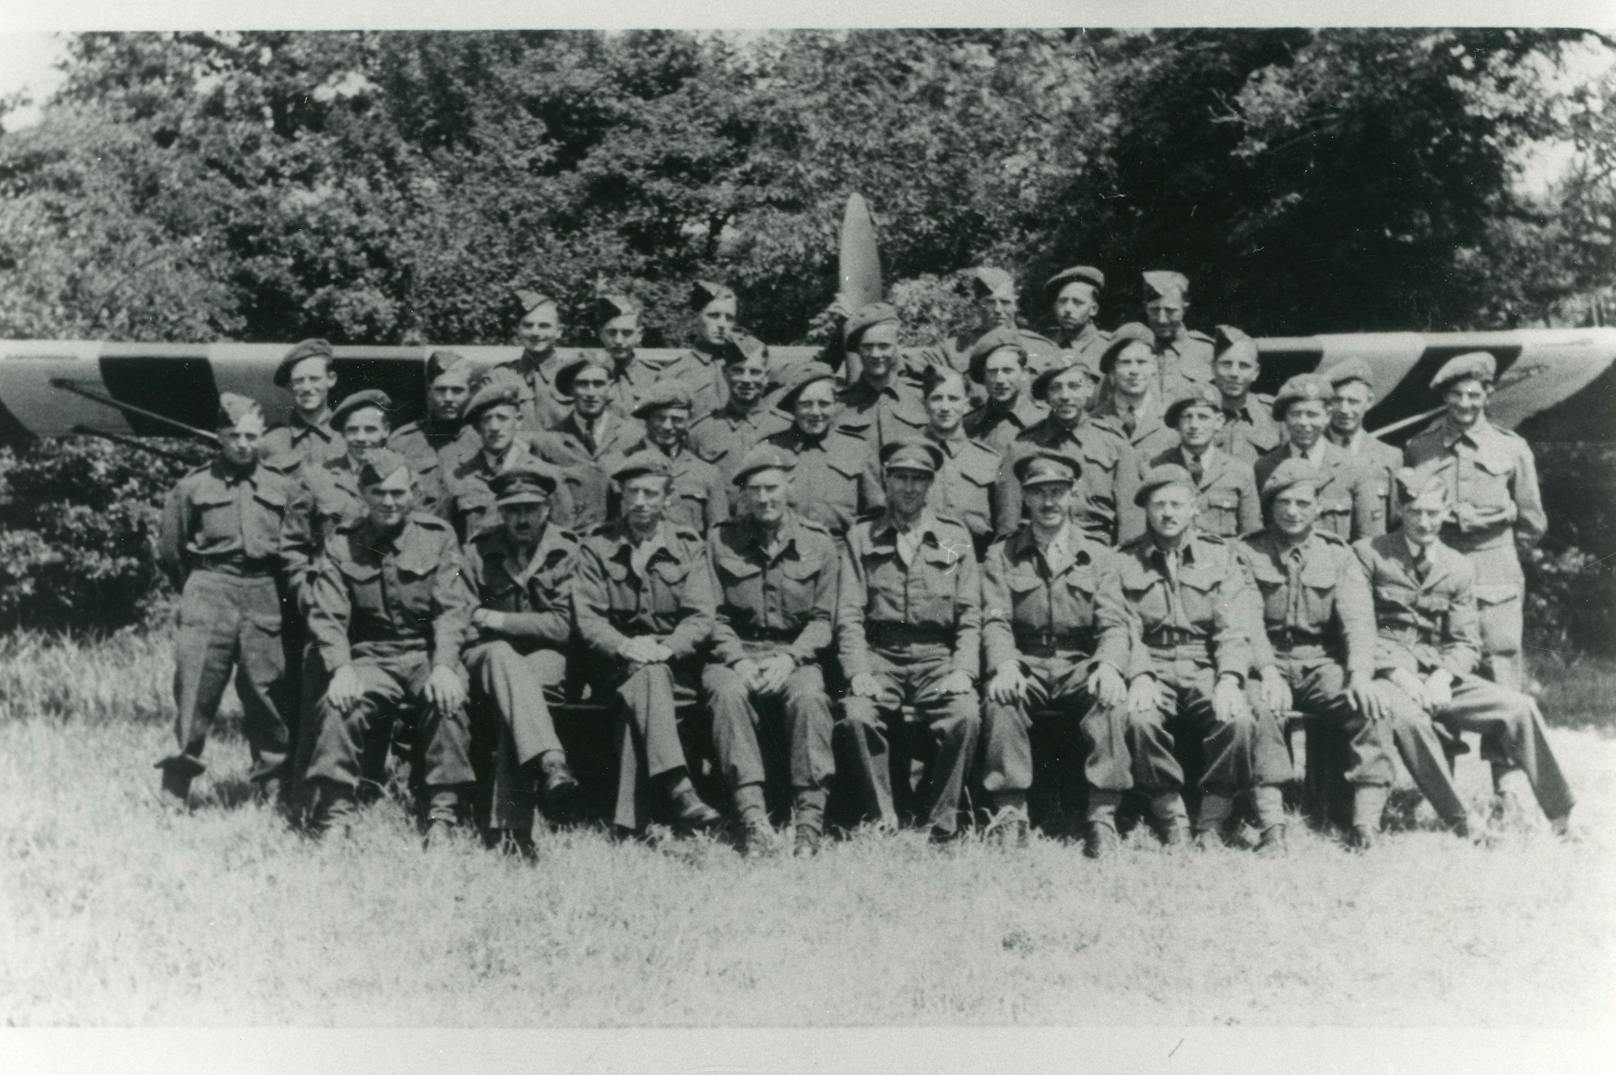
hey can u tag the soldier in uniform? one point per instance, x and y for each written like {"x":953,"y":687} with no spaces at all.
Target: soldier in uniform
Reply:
{"x":1249,"y":431}
{"x":1425,"y":602}
{"x":495,"y":413}
{"x":1073,"y":296}
{"x":993,"y":293}
{"x":307,"y":435}
{"x":437,"y":443}
{"x":909,"y":631}
{"x":697,"y":498}
{"x":1191,"y":608}
{"x":1132,"y":400}
{"x":1226,"y":503}
{"x":1491,"y":479}
{"x":521,"y":572}
{"x":827,"y":479}
{"x":716,"y":309}
{"x":1352,"y":394}
{"x":219,"y":544}
{"x":584,"y":444}
{"x":774,"y":578}
{"x":1103,"y":456}
{"x":389,"y":611}
{"x":327,"y":494}
{"x":722,"y":433}
{"x":1315,"y":649}
{"x":1049,"y":598}
{"x":1183,"y":355}
{"x":999,"y":364}
{"x":1348,"y":507}
{"x":540,"y":404}
{"x":643,"y":604}
{"x":880,"y":406}
{"x":617,"y":323}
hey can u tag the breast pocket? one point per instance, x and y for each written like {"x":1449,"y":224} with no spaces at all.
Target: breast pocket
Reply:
{"x":1079,"y":600}
{"x":742,"y":583}
{"x":215,"y":515}
{"x":1318,"y":595}
{"x":1220,"y":513}
{"x":415,"y":580}
{"x":690,"y":500}
{"x":1147,"y":596}
{"x":1271,"y":583}
{"x":1488,"y":486}
{"x":801,"y":581}
{"x":1198,"y":588}
{"x":668,"y":586}
{"x":1335,"y":514}
{"x":364,"y":583}
{"x":939,"y":579}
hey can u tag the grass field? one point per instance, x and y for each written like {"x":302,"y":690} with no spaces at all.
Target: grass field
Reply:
{"x":117,"y":913}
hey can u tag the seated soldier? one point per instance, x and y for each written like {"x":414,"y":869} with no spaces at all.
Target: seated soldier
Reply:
{"x":1348,"y":507}
{"x":1101,"y":454}
{"x":643,"y":604}
{"x":1226,"y":503}
{"x":521,"y":572}
{"x":881,"y":405}
{"x":438,"y":442}
{"x":999,"y":365}
{"x":307,"y":436}
{"x":697,"y":498}
{"x":827,"y":478}
{"x":584,"y":445}
{"x":389,"y":610}
{"x":723,"y":431}
{"x":1055,"y":638}
{"x":495,"y":413}
{"x":1315,"y":650}
{"x":1425,"y":602}
{"x":909,"y":631}
{"x":1191,"y":607}
{"x":775,"y":582}
{"x":1249,"y":431}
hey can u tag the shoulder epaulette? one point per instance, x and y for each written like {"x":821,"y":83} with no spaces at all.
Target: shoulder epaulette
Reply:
{"x":1197,"y":334}
{"x":816,"y":527}
{"x":1330,"y":537}
{"x":431,"y":522}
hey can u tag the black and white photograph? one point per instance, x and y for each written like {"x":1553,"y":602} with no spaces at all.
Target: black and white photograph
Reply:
{"x":1017,"y":546}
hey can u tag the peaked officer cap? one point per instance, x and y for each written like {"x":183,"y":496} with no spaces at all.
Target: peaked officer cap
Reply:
{"x":1304,"y":386}
{"x":1159,"y":476}
{"x":369,"y":397}
{"x":300,"y":351}
{"x":911,"y":453}
{"x":523,"y":483}
{"x":1044,"y":467}
{"x":992,"y":340}
{"x":1472,"y":365}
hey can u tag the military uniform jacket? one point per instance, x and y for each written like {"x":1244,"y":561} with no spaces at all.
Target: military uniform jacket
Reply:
{"x":1200,"y":612}
{"x":630,"y":382}
{"x":672,"y":602}
{"x":827,"y":484}
{"x":1424,"y":623}
{"x":787,"y":598}
{"x":326,"y":498}
{"x":1315,"y":600}
{"x":1492,"y":479}
{"x":378,"y":595}
{"x":218,"y":519}
{"x":724,"y":435}
{"x":585,"y":463}
{"x":998,"y":427}
{"x":702,"y":373}
{"x":434,"y":449}
{"x":1380,"y":461}
{"x":1348,"y":507}
{"x":954,"y":353}
{"x":534,"y":593}
{"x":934,"y":598}
{"x":1226,"y":503}
{"x":877,"y":415}
{"x":539,"y":404}
{"x":1032,"y":606}
{"x":973,"y":487}
{"x":1086,"y":344}
{"x":298,"y":442}
{"x":1249,"y":431}
{"x":1183,"y":362}
{"x":1105,"y":459}
{"x":470,"y":499}
{"x":697,"y":496}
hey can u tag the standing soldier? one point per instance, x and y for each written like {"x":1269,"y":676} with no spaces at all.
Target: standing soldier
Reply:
{"x":584,"y":444}
{"x":993,"y":294}
{"x":1347,"y":504}
{"x":437,"y":443}
{"x":1316,"y":648}
{"x":495,"y":413}
{"x":716,"y":309}
{"x":696,"y":495}
{"x":1352,"y":394}
{"x":643,"y":604}
{"x":521,"y":572}
{"x":1425,"y":601}
{"x":1191,"y":607}
{"x":774,"y":576}
{"x":1491,"y":480}
{"x":389,"y":612}
{"x":1249,"y":430}
{"x":540,"y":404}
{"x":617,"y":324}
{"x":999,"y":364}
{"x":1133,"y":402}
{"x":1226,"y":504}
{"x":1073,"y":295}
{"x":827,"y":479}
{"x":880,"y":406}
{"x":1102,"y":454}
{"x":909,"y":631}
{"x":219,"y":544}
{"x":307,"y":435}
{"x":724,"y":431}
{"x":328,"y":496}
{"x":1055,"y":638}
{"x":1184,"y":355}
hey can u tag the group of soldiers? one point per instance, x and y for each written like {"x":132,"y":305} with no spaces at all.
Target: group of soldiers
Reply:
{"x":898,"y":571}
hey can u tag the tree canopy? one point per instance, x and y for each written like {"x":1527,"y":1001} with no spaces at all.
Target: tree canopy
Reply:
{"x":388,"y":187}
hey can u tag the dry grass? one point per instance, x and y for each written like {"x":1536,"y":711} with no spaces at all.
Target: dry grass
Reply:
{"x":115,"y":912}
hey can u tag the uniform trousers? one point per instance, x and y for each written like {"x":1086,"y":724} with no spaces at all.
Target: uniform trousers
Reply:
{"x":518,"y":687}
{"x":1500,"y":591}
{"x":1319,"y":687}
{"x":646,"y":701}
{"x":1238,"y":755}
{"x":1056,"y":689}
{"x":227,"y":622}
{"x":796,"y":717}
{"x":953,"y":725}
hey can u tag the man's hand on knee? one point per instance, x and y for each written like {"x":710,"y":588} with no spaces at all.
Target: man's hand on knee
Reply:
{"x":444,"y":690}
{"x":1144,"y":696}
{"x":1229,"y":699}
{"x":342,"y":693}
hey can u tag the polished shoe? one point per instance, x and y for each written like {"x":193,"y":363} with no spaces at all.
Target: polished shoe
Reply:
{"x":1100,"y":839}
{"x":806,"y":842}
{"x":556,"y":781}
{"x":1273,"y":841}
{"x":689,"y":812}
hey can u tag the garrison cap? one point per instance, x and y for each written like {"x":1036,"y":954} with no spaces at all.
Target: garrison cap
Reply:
{"x":762,"y":457}
{"x":932,"y":376}
{"x":569,"y":373}
{"x":1041,"y":383}
{"x":1347,"y":371}
{"x":1196,"y":395}
{"x":865,"y":318}
{"x":382,"y":464}
{"x":1166,"y":284}
{"x":499,"y":389}
{"x":1132,"y":332}
{"x":1157,"y":477}
{"x":911,"y":453}
{"x":1415,"y":482}
{"x":742,"y":348}
{"x":640,"y":463}
{"x":614,"y":304}
{"x":448,"y":364}
{"x":799,"y":378}
{"x":1472,"y":365}
{"x":369,"y":397}
{"x":704,"y":292}
{"x":1226,"y":338}
{"x":1290,"y":472}
{"x":662,"y":395}
{"x":233,"y":408}
{"x":1302,"y":387}
{"x":1077,"y":274}
{"x":1046,"y":468}
{"x":986,"y":280}
{"x":527,"y":300}
{"x":300,"y":351}
{"x":523,"y":483}
{"x":991,"y":341}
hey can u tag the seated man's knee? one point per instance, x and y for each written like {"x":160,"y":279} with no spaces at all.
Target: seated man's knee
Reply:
{"x":858,"y":713}
{"x":724,"y":686}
